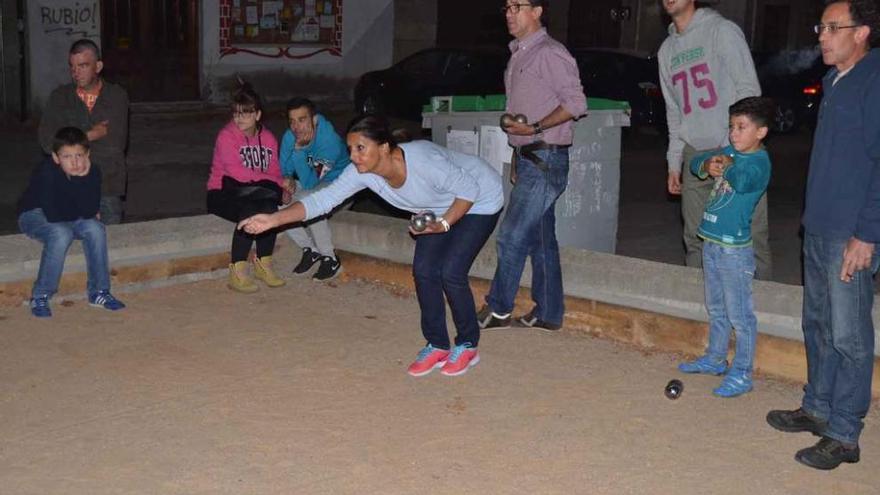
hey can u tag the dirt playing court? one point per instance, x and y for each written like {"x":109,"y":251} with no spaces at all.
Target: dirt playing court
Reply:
{"x":302,"y":390}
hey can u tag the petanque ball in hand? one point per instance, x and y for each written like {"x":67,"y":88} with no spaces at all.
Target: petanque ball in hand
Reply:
{"x":674,"y":389}
{"x":418,"y":223}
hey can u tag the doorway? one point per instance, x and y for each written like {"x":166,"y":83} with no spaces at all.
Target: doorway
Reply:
{"x":151,"y":48}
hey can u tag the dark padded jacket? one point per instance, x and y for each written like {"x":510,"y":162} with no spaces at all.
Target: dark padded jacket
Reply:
{"x":64,"y":108}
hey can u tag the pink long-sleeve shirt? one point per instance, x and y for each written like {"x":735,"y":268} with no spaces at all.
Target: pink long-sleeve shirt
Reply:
{"x":542,"y":75}
{"x":244,"y":158}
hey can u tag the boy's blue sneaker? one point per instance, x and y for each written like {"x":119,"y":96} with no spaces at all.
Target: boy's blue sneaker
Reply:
{"x":104,"y":299}
{"x":40,"y":307}
{"x":734,"y":383}
{"x":704,"y":365}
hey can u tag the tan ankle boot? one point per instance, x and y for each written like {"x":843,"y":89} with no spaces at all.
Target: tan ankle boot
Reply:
{"x":263,"y":271}
{"x":239,"y":280}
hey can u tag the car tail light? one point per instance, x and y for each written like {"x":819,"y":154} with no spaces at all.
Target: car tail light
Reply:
{"x":813,"y":89}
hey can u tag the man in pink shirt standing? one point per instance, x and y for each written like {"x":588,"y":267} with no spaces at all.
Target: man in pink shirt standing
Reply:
{"x":542,"y":83}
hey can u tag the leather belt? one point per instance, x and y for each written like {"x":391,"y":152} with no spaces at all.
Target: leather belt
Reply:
{"x":528,"y":152}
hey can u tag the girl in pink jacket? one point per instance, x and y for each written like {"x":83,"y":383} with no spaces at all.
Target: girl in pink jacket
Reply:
{"x":246,"y":179}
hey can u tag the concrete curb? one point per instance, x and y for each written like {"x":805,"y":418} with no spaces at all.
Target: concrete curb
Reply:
{"x":652,"y":305}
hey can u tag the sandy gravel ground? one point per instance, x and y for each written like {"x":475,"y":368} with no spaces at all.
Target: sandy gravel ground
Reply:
{"x":301,"y":390}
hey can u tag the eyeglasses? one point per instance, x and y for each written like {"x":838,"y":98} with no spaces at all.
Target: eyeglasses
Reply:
{"x":832,"y":28}
{"x":243,"y":113}
{"x":514,"y":7}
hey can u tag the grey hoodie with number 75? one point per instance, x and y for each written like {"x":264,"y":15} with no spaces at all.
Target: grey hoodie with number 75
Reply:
{"x":703,"y":71}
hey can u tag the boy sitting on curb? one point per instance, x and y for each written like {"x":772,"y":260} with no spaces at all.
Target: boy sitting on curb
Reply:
{"x":59,"y":205}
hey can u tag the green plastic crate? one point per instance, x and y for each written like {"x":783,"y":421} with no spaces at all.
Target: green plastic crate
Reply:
{"x":606,"y":104}
{"x":494,"y":103}
{"x":467,"y":103}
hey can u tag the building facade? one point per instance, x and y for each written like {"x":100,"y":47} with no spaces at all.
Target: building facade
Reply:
{"x":196,"y":50}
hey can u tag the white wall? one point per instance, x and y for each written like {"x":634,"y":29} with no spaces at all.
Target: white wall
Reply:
{"x":52,"y":25}
{"x":367,"y":44}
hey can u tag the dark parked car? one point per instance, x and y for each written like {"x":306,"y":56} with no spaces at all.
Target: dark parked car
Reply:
{"x":625,"y":76}
{"x":402,"y":89}
{"x":794,"y":80}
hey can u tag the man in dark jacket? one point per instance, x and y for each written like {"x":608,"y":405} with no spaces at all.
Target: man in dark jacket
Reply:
{"x":101,"y":109}
{"x":841,"y":229}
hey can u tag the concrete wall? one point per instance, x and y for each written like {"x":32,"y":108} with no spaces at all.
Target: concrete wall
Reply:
{"x":415,"y":26}
{"x":52,"y":25}
{"x":660,"y":288}
{"x":367,"y":42}
{"x":652,"y":305}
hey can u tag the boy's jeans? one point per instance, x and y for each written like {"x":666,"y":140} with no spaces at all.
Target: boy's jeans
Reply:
{"x":839,"y":338}
{"x":529,"y":229}
{"x":56,"y":238}
{"x":728,"y":274}
{"x":440,"y":268}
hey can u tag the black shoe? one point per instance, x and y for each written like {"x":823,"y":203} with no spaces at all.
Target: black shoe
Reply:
{"x":795,"y":421}
{"x":532,"y":321}
{"x":827,"y":454}
{"x":307,"y":262}
{"x":492,"y":321}
{"x":328,"y":269}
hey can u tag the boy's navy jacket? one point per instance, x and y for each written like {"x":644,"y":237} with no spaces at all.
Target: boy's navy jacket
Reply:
{"x":62,"y":198}
{"x":843,"y":185}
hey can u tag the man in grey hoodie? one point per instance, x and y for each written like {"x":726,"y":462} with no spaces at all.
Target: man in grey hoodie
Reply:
{"x":705,"y":66}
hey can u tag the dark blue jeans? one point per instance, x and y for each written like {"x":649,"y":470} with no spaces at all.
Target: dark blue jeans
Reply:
{"x":440,"y":267}
{"x":839,"y":338}
{"x":56,"y":238}
{"x":529,"y":230}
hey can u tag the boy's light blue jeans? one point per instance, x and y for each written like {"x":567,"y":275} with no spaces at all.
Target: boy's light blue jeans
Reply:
{"x":529,"y":230}
{"x":839,"y":338}
{"x":727,"y":275}
{"x":56,"y":238}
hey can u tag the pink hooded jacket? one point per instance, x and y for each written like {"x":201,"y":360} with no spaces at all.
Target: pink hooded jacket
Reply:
{"x":244,"y":158}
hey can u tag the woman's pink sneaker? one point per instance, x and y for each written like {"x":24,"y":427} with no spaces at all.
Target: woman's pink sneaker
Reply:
{"x":429,"y":358}
{"x":462,"y":358}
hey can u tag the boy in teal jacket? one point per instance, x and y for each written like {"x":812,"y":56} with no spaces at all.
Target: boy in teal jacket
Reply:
{"x":741,"y":172}
{"x":312,"y":156}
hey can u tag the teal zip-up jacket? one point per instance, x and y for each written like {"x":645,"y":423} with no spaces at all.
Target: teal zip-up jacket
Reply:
{"x":727,"y":219}
{"x":319,"y":162}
